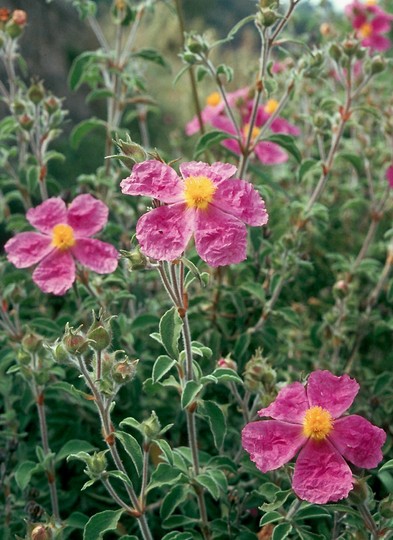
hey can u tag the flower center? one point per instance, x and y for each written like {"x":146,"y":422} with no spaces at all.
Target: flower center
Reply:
{"x":271,"y":106}
{"x":213,"y":99}
{"x":254,"y":134}
{"x":317,"y":423}
{"x":199,"y":191}
{"x":63,"y":237}
{"x":365,"y":30}
{"x":371,"y":2}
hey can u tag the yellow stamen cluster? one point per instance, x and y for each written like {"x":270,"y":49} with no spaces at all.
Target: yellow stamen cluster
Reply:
{"x":213,"y":99}
{"x":63,"y":237}
{"x":271,"y":106}
{"x":365,"y":30}
{"x":317,"y":423}
{"x":199,"y":191}
{"x":254,"y":134}
{"x":371,"y":2}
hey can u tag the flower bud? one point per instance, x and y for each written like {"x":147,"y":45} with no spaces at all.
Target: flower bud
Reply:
{"x":36,"y":93}
{"x":325,"y":29}
{"x":74,"y":343}
{"x":196,"y":44}
{"x":26,"y":122}
{"x":274,"y":4}
{"x":350,"y":47}
{"x":189,"y":58}
{"x":19,"y":17}
{"x":136,"y":259}
{"x":258,"y":372}
{"x":340,"y":288}
{"x":378,"y":65}
{"x":359,"y":494}
{"x":60,"y":354}
{"x":151,"y":427}
{"x":386,"y":507}
{"x":227,"y":363}
{"x":13,"y":30}
{"x":96,"y":464}
{"x":31,"y":342}
{"x":52,"y":104}
{"x":23,"y":357}
{"x":267,"y":16}
{"x":124,"y":370}
{"x":41,"y":532}
{"x":100,"y":332}
{"x":132,"y":150}
{"x":335,"y":52}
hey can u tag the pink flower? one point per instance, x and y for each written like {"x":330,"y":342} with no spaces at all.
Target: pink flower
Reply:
{"x":63,"y":236}
{"x":267,"y":152}
{"x":370,"y":22}
{"x":206,"y":203}
{"x":310,"y":420}
{"x":389,"y":176}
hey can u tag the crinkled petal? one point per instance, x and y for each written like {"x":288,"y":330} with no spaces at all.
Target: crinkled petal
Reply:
{"x":27,"y":248}
{"x":232,"y":145}
{"x":56,"y":273}
{"x":280,"y":125}
{"x":271,"y":444}
{"x":270,"y":153}
{"x":381,"y":24}
{"x":154,"y":179}
{"x":290,"y":405}
{"x":321,"y":474}
{"x":358,"y":440}
{"x":220,"y":238}
{"x":96,"y":255}
{"x":87,"y":215}
{"x":216,"y":171}
{"x":239,"y":198}
{"x":332,"y":393}
{"x":163,"y":233}
{"x":48,"y":214}
{"x":377,"y":42}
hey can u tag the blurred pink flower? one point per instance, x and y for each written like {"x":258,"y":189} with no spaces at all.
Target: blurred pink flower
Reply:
{"x":63,"y":236}
{"x":389,"y":175}
{"x":267,"y":152}
{"x":310,"y":420}
{"x":370,"y":22}
{"x":205,"y":203}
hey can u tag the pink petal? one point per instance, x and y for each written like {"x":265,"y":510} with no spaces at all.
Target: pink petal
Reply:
{"x":332,"y":393}
{"x":164,"y":232}
{"x":321,"y":474}
{"x":96,"y":255}
{"x":377,"y":42}
{"x":216,"y":171}
{"x":381,"y":24}
{"x":27,"y":248}
{"x":389,"y":175}
{"x":271,"y":444}
{"x":270,"y":153}
{"x":87,"y":215}
{"x":48,"y":214}
{"x":154,"y":179}
{"x":56,"y":273}
{"x":232,"y":145}
{"x":358,"y":440}
{"x":240,"y":199}
{"x":220,"y":238}
{"x":290,"y":405}
{"x":280,"y":125}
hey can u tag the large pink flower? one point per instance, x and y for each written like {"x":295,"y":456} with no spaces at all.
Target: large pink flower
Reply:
{"x":370,"y":23}
{"x":63,"y":236}
{"x":310,"y":420}
{"x":206,"y":203}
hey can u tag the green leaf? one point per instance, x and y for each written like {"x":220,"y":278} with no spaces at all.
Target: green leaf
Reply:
{"x":120,"y":475}
{"x":270,"y":517}
{"x":355,"y":160}
{"x":132,"y":447}
{"x":77,"y":70}
{"x":279,"y":500}
{"x":210,"y":139}
{"x":306,"y":166}
{"x":176,"y":535}
{"x":227,"y":375}
{"x":166,"y":450}
{"x":209,"y":484}
{"x":288,"y":143}
{"x":386,"y":466}
{"x":84,"y":128}
{"x":132,"y":423}
{"x":176,"y":496}
{"x":164,"y":475}
{"x":101,"y":523}
{"x":24,"y":473}
{"x":73,"y":447}
{"x":76,"y":520}
{"x":144,"y":321}
{"x":190,"y":391}
{"x":216,"y":419}
{"x":281,"y":531}
{"x":161,"y":366}
{"x":312,"y":511}
{"x":170,"y":330}
{"x":152,"y":56}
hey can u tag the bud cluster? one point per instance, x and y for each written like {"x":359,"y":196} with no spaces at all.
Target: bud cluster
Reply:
{"x":196,"y":47}
{"x":267,"y":13}
{"x":258,"y":374}
{"x":12,"y":23}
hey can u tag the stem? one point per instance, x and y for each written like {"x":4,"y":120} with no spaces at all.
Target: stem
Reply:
{"x":368,"y":520}
{"x":115,"y":496}
{"x":50,"y":472}
{"x":145,"y":471}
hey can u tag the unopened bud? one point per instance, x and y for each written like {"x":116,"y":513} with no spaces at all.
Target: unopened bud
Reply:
{"x":18,"y":107}
{"x":60,"y":354}
{"x":196,"y":44}
{"x":350,"y":47}
{"x":124,"y":371}
{"x":19,"y":17}
{"x":96,"y":464}
{"x":335,"y":52}
{"x":189,"y":58}
{"x":341,"y":288}
{"x":36,"y":93}
{"x":100,"y":332}
{"x":23,"y":357}
{"x":325,"y":29}
{"x":227,"y":363}
{"x":74,"y":343}
{"x":41,"y":532}
{"x":136,"y":259}
{"x":151,"y":427}
{"x":26,"y":122}
{"x":274,"y":4}
{"x":32,"y":342}
{"x":132,"y":150}
{"x":267,"y":16}
{"x":52,"y":104}
{"x":359,"y":494}
{"x":258,"y":372}
{"x":378,"y":64}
